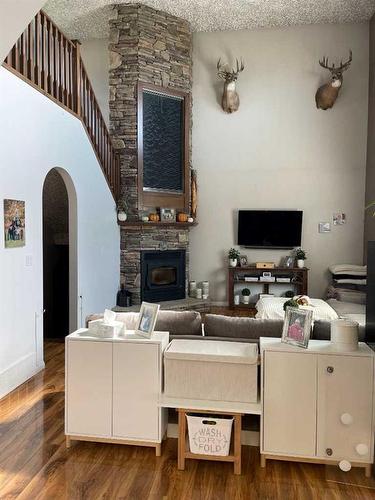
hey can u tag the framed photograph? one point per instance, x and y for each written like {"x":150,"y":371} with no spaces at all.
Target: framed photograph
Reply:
{"x":243,"y":260}
{"x":289,"y":261}
{"x":324,"y":227}
{"x":14,"y":223}
{"x":297,"y":326}
{"x":147,"y":319}
{"x":167,"y":215}
{"x":339,"y":219}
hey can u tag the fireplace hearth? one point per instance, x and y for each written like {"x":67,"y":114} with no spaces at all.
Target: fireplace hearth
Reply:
{"x":163,"y":275}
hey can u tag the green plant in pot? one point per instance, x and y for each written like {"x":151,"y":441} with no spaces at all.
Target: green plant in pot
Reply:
{"x":246,"y":295}
{"x":233,"y":256}
{"x":301,"y":257}
{"x":290,"y":303}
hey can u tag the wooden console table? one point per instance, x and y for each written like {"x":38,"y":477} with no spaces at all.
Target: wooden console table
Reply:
{"x":234,"y":409}
{"x":298,"y":280}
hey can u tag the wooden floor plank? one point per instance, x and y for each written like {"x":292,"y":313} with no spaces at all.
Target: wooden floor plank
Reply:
{"x":35,"y":464}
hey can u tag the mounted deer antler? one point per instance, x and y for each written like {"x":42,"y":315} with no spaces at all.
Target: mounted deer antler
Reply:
{"x":230,"y":100}
{"x":327,"y":94}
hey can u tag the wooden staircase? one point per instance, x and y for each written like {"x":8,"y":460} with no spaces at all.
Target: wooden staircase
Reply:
{"x":46,"y":59}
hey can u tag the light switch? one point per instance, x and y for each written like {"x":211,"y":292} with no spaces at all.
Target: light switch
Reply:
{"x":29,"y":260}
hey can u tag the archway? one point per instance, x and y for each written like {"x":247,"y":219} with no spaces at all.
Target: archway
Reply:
{"x":59,"y":255}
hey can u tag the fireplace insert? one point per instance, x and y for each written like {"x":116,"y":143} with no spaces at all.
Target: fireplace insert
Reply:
{"x":163,"y":275}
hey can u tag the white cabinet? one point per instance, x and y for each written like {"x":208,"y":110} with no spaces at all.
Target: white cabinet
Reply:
{"x":136,"y":388}
{"x":113,"y":388}
{"x":289,"y":408}
{"x":88,"y":382}
{"x":317,"y":404}
{"x":345,"y":385}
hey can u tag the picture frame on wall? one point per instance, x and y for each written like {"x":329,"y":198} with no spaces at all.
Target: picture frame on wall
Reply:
{"x":339,"y":219}
{"x":297,"y":326}
{"x":14,"y":223}
{"x":147,"y":319}
{"x":167,"y":215}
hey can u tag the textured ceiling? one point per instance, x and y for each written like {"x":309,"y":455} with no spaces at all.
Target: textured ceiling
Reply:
{"x":84,"y":19}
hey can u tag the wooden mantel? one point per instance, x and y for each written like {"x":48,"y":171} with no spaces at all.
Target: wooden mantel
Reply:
{"x":166,"y":225}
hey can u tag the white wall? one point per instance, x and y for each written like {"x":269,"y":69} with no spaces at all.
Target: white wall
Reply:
{"x":95,"y":57}
{"x":37,"y":135}
{"x":278,"y":150}
{"x":15,"y":15}
{"x":370,"y":170}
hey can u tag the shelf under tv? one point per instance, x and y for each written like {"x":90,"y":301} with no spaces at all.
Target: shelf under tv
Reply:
{"x":298,"y":277}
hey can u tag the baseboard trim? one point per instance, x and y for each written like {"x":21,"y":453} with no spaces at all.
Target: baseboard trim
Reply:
{"x":248,"y":438}
{"x":18,"y":373}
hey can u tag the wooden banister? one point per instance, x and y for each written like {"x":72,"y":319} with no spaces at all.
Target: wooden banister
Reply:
{"x":44,"y":57}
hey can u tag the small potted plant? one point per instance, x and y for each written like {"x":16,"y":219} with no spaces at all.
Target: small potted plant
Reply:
{"x":233,"y":256}
{"x":246,"y":295}
{"x":121,"y":211}
{"x":301,"y":256}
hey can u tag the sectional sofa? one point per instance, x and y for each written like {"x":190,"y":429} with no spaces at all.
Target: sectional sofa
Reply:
{"x":189,"y":324}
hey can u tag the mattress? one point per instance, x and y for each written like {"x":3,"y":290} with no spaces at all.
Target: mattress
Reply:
{"x":272,"y":308}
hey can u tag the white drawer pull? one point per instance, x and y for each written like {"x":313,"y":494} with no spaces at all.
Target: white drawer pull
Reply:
{"x":361,"y":449}
{"x":345,"y":465}
{"x":346,"y":419}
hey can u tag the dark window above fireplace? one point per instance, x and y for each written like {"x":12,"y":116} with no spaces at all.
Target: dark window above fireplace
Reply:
{"x":163,"y":275}
{"x":163,"y":126}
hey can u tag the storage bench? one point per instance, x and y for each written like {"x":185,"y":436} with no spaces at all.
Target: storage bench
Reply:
{"x":211,"y":370}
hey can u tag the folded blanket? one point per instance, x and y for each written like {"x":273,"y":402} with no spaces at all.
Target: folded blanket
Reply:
{"x":352,"y":281}
{"x":348,"y":269}
{"x":349,"y":286}
{"x":344,"y":295}
{"x":272,"y":308}
{"x":343,"y":276}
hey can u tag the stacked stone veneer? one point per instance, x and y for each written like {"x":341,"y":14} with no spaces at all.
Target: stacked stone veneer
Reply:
{"x":154,"y":47}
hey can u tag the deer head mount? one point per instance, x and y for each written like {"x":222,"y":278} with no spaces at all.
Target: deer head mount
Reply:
{"x":230,"y":100}
{"x":327,"y":94}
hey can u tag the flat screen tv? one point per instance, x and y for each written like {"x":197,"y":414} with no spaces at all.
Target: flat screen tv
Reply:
{"x":269,"y":228}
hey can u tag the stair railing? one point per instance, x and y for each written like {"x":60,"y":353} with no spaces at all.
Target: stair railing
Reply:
{"x":44,"y":57}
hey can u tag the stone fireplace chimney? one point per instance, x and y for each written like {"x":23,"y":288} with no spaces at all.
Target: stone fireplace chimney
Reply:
{"x":150,"y":46}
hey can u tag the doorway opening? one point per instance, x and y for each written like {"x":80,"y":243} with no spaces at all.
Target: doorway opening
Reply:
{"x":59,"y":297}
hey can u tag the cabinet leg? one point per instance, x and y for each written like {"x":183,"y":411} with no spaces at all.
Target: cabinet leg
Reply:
{"x":68,"y":441}
{"x":181,"y":439}
{"x":237,"y":444}
{"x":368,"y":470}
{"x":158,"y":450}
{"x":263,"y":461}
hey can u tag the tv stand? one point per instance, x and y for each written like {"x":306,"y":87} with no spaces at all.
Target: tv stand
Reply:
{"x":298,"y":280}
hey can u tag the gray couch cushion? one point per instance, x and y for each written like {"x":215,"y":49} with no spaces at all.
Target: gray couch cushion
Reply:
{"x":322,"y":330}
{"x":174,"y":322}
{"x":179,"y":322}
{"x":216,"y":325}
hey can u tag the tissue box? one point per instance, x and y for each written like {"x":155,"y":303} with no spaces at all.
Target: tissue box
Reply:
{"x":99,"y":328}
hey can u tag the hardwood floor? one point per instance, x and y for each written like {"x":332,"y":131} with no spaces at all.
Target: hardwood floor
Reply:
{"x":34,"y":463}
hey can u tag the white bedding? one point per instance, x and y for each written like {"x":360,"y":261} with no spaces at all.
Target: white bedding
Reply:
{"x":272,"y":308}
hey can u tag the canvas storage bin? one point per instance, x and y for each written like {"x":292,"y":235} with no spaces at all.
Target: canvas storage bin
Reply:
{"x":213,"y":370}
{"x":209,"y":436}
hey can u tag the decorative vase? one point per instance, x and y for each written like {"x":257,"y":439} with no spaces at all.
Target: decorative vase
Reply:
{"x":300,"y":263}
{"x":246,"y":299}
{"x":233,"y":262}
{"x":122,"y":216}
{"x":154,"y":217}
{"x":181,"y":217}
{"x":236,"y":300}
